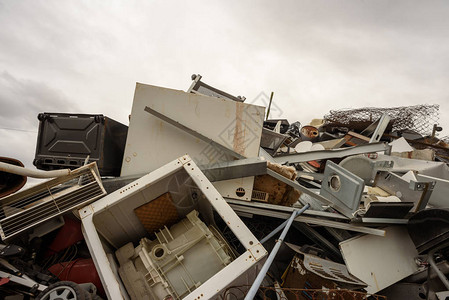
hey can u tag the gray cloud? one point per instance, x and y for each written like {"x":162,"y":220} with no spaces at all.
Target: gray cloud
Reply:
{"x":21,"y":101}
{"x":315,"y":55}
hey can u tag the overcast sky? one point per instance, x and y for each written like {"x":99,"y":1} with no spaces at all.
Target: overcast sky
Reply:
{"x":86,"y":56}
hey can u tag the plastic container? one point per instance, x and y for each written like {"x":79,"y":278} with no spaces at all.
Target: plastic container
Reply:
{"x":175,"y":262}
{"x":65,"y":140}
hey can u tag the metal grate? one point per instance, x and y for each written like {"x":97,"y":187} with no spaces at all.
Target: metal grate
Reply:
{"x":330,"y":270}
{"x":259,"y":196}
{"x":47,"y":200}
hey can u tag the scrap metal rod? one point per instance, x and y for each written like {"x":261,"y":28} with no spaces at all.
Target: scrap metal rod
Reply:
{"x":287,"y":209}
{"x":256,"y":284}
{"x":434,"y":266}
{"x":333,"y":153}
{"x":193,"y":132}
{"x":308,"y":220}
{"x":271,"y":234}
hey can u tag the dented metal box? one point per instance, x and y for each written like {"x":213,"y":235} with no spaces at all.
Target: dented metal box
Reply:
{"x":65,"y":140}
{"x":111,"y":222}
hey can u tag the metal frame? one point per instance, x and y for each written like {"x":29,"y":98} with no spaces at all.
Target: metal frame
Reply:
{"x":287,"y":209}
{"x":213,"y":92}
{"x":333,"y":153}
{"x":254,"y":254}
{"x":426,"y":188}
{"x":245,"y":209}
{"x":417,"y":192}
{"x":22,"y":279}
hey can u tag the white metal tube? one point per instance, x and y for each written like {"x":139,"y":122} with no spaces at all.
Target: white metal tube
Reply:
{"x":434,"y":266}
{"x":256,"y":284}
{"x":279,"y":228}
{"x":4,"y":167}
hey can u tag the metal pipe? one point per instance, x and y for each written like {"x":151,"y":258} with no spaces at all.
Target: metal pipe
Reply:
{"x":434,"y":266}
{"x":279,"y":228}
{"x":269,"y":105}
{"x":4,"y":167}
{"x":256,"y":284}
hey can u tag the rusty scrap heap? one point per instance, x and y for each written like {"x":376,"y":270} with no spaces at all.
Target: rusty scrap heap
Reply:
{"x":203,"y":197}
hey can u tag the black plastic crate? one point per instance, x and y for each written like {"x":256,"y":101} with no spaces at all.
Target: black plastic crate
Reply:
{"x":65,"y":140}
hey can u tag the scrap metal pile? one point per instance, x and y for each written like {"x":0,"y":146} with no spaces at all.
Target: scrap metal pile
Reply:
{"x":204,"y":197}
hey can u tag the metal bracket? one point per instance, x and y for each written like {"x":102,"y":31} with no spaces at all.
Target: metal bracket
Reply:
{"x":343,"y":188}
{"x":193,"y":132}
{"x":426,"y":188}
{"x":199,"y":87}
{"x":380,"y":129}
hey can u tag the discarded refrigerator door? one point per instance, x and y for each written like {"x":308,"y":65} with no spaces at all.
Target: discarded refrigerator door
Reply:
{"x":152,"y":142}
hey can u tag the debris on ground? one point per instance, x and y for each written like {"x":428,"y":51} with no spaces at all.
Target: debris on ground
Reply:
{"x":203,"y":196}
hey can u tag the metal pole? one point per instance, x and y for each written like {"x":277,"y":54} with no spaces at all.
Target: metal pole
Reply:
{"x":279,"y":228}
{"x":434,"y":266}
{"x":256,"y":284}
{"x":269,"y":105}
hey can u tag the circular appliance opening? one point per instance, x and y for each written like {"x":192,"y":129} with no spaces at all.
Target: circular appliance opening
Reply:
{"x":240,"y":192}
{"x":335,"y":183}
{"x":158,"y":252}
